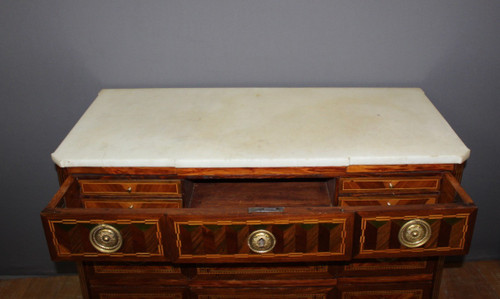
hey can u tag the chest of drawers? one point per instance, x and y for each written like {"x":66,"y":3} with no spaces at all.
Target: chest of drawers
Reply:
{"x":260,"y":193}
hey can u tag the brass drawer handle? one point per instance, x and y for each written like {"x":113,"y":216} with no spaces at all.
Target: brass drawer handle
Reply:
{"x":414,"y":233}
{"x":261,"y":241}
{"x":105,"y":238}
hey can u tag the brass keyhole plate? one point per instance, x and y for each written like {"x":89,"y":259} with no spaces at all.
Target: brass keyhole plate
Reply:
{"x":105,"y":238}
{"x":414,"y":233}
{"x":261,"y":241}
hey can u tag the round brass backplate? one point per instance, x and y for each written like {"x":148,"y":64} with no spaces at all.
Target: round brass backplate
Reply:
{"x":105,"y":238}
{"x":414,"y":233}
{"x":261,"y":241}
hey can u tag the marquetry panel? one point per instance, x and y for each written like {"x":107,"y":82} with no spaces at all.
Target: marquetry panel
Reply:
{"x":141,"y":238}
{"x":379,"y":234}
{"x":264,"y":293}
{"x":135,"y":268}
{"x":393,"y":184}
{"x":124,"y":292}
{"x":126,"y":204}
{"x":386,"y":294}
{"x":345,"y":201}
{"x":263,"y":270}
{"x":139,"y":296}
{"x":131,"y":187}
{"x":326,"y":238}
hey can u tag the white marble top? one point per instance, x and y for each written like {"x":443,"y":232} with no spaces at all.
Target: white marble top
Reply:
{"x":260,"y":127}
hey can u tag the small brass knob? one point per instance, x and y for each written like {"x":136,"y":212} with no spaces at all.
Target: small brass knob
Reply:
{"x":414,"y":233}
{"x":105,"y":238}
{"x":261,"y":241}
{"x":129,"y":189}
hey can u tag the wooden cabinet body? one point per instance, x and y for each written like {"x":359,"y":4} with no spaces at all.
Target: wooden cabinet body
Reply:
{"x":243,"y":230}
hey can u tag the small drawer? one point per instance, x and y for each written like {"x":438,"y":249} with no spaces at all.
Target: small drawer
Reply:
{"x":347,"y":201}
{"x":388,"y":267}
{"x":362,"y":290}
{"x":129,"y":274}
{"x":167,"y":188}
{"x":101,"y":234}
{"x":393,"y":184}
{"x":126,"y":204}
{"x":264,"y":293}
{"x":279,"y":274}
{"x":124,"y":292}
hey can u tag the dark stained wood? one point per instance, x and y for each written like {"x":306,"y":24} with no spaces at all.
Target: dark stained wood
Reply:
{"x":163,"y":171}
{"x":127,"y":204}
{"x":451,"y":235}
{"x":458,"y":189}
{"x":263,"y":193}
{"x":260,"y":172}
{"x":379,"y":279}
{"x":400,"y":168}
{"x":84,"y":281}
{"x":389,"y":184}
{"x":264,"y":293}
{"x":387,"y":290}
{"x":458,"y":171}
{"x":386,"y":201}
{"x":170,"y":188}
{"x":438,"y":274}
{"x":222,"y":237}
{"x":387,"y":267}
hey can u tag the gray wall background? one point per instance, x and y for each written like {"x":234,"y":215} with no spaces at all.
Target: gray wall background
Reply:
{"x":56,"y":55}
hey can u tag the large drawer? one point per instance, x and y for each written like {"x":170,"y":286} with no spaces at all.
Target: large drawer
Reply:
{"x":417,"y":230}
{"x":235,"y":235}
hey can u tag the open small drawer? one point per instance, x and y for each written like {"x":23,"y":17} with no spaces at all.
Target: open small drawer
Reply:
{"x":417,"y":230}
{"x":74,"y":232}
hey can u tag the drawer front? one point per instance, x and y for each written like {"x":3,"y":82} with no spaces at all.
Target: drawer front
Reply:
{"x":97,"y":239}
{"x":123,"y":292}
{"x":127,"y":204}
{"x":224,"y":238}
{"x":276,"y":275}
{"x":264,"y":293}
{"x":406,"y":233}
{"x":394,"y":184}
{"x":134,"y":274}
{"x":388,"y":267}
{"x":345,"y":201}
{"x":169,"y":188}
{"x":378,"y":291}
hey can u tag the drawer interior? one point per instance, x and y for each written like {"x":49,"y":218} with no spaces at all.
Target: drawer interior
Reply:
{"x":260,"y":193}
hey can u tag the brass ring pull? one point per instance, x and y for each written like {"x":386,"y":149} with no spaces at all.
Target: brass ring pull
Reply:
{"x":414,"y":233}
{"x":261,"y":241}
{"x":105,"y":238}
